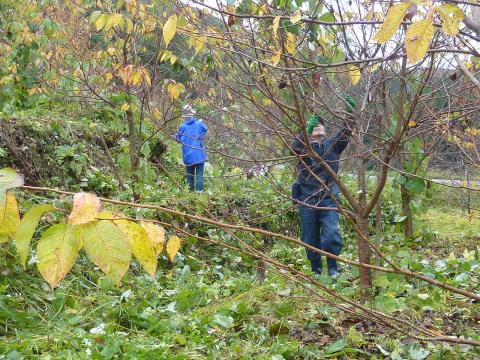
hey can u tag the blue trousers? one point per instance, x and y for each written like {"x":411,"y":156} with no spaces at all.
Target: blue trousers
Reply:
{"x":195,"y":177}
{"x":320,"y":229}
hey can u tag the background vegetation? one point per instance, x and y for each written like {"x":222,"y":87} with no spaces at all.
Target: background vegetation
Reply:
{"x":91,"y":96}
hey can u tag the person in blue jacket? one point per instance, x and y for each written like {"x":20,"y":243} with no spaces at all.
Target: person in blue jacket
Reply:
{"x":191,"y":134}
{"x":319,"y":227}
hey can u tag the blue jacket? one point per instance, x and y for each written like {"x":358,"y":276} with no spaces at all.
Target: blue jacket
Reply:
{"x":191,"y":134}
{"x":307,"y":188}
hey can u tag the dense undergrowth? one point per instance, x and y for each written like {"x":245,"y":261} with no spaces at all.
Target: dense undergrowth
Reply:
{"x":210,"y":303}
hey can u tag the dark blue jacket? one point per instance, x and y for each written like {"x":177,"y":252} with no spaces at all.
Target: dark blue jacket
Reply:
{"x":307,"y":188}
{"x":191,"y":134}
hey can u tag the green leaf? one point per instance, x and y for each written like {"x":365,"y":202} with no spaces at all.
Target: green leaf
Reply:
{"x":415,"y":352}
{"x":26,"y":229}
{"x":385,"y":303}
{"x":336,"y":346}
{"x":327,"y":17}
{"x":415,"y":186}
{"x":9,"y":178}
{"x":108,"y":248}
{"x":391,"y":23}
{"x":400,"y":179}
{"x":338,"y":56}
{"x":9,"y":217}
{"x":281,"y":4}
{"x":57,"y":252}
{"x":223,"y":320}
{"x":291,"y":28}
{"x":382,"y":281}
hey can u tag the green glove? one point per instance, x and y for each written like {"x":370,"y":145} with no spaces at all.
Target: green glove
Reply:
{"x":350,"y":106}
{"x":312,"y":122}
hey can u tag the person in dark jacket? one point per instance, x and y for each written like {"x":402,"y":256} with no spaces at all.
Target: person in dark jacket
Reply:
{"x":191,"y":134}
{"x":319,"y":228}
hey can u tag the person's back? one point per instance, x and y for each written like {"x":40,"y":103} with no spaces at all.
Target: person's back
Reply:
{"x":191,"y":134}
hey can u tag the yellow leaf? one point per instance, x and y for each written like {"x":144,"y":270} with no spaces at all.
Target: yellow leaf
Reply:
{"x":126,"y":74}
{"x":146,"y":77}
{"x":198,"y":44}
{"x":169,"y":276}
{"x":100,"y":21}
{"x":86,"y":207}
{"x":290,"y":43}
{"x":156,"y":235}
{"x":276,"y":24}
{"x":125,"y":107}
{"x":169,"y":29}
{"x":166,"y":54}
{"x":129,"y":26}
{"x":173,"y":246}
{"x":451,"y":16}
{"x":374,"y":67}
{"x":276,"y":57}
{"x":111,"y":51}
{"x":211,"y":92}
{"x":27,"y":227}
{"x":417,"y":39}
{"x":412,"y":123}
{"x":108,"y":248}
{"x":157,"y":114}
{"x":392,"y":22}
{"x":94,"y":16}
{"x":108,"y":76}
{"x":173,"y":90}
{"x":296,"y":17}
{"x":108,"y":22}
{"x":263,"y":9}
{"x":57,"y":252}
{"x":9,"y":216}
{"x":354,"y":73}
{"x":136,"y":77}
{"x":117,"y":19}
{"x":142,"y":247}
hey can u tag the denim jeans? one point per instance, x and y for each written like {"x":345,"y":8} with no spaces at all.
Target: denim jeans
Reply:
{"x":320,"y":229}
{"x":195,"y":177}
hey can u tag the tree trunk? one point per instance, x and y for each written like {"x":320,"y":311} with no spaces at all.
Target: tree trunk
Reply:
{"x":407,"y":211}
{"x":364,"y":252}
{"x":134,"y":150}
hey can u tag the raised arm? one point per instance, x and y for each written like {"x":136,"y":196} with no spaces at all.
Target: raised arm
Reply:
{"x":342,"y":138}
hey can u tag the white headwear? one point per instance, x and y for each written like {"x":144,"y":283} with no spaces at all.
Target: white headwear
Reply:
{"x":188,"y":111}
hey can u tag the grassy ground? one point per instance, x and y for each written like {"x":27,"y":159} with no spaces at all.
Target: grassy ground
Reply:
{"x":210,"y":304}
